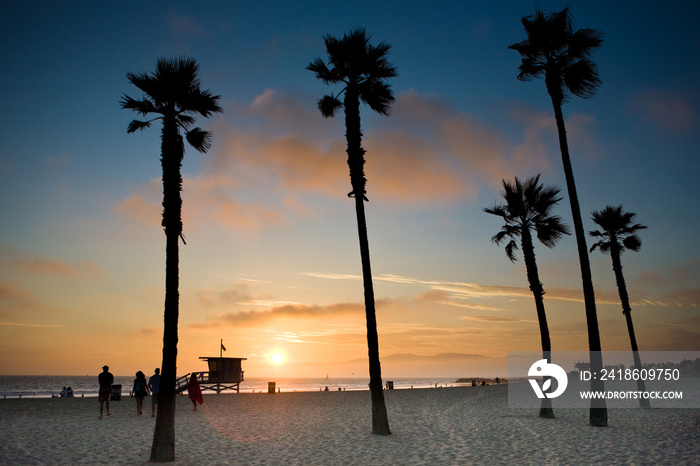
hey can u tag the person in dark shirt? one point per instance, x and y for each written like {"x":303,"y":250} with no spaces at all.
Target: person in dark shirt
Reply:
{"x":140,"y":391}
{"x":105,"y":379}
{"x":154,"y":385}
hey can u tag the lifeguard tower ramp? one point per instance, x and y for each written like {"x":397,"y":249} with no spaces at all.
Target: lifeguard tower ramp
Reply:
{"x":223,"y":374}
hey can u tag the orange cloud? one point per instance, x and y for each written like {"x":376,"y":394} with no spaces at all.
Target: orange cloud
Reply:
{"x":247,"y":217}
{"x":685,"y":297}
{"x":685,"y":273}
{"x":57,"y":267}
{"x":240,"y":292}
{"x":491,"y":319}
{"x":458,"y":293}
{"x":11,"y":292}
{"x":403,"y":168}
{"x":426,"y":152}
{"x":252,"y":317}
{"x":144,"y":210}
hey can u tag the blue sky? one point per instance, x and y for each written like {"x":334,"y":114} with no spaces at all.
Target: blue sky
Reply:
{"x":271,"y":261}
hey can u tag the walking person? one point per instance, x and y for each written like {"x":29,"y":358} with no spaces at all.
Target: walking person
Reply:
{"x":140,"y":390}
{"x":105,"y":379}
{"x":154,"y":385}
{"x":194,"y":391}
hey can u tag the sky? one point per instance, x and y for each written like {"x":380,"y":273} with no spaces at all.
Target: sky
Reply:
{"x":271,"y":265}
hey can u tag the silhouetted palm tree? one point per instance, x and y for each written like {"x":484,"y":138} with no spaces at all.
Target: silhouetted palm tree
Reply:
{"x":362,"y":69}
{"x":528,"y":208}
{"x":172,"y":92}
{"x":619,"y":235}
{"x":555,"y":51}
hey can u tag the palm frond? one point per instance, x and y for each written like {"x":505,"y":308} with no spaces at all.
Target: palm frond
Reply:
{"x":581,"y":78}
{"x":550,"y":230}
{"x":202,"y":102}
{"x":143,"y":81}
{"x":496,"y":209}
{"x":583,"y":42}
{"x":137,"y":125}
{"x":322,"y":72}
{"x":604,"y":247}
{"x":329,"y":106}
{"x":378,"y":95}
{"x":511,"y":247}
{"x":199,"y":139}
{"x":143,"y":106}
{"x":633,"y":243}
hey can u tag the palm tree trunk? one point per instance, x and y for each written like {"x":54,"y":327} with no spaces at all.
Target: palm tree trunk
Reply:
{"x":353,"y":134}
{"x":380,"y":419}
{"x":533,"y":278}
{"x":627,"y":311}
{"x":163,"y":448}
{"x":598,"y":413}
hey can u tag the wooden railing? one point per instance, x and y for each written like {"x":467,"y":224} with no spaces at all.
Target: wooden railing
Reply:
{"x":207,"y":377}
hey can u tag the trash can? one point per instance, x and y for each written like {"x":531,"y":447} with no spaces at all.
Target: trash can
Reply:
{"x":271,"y":387}
{"x":116,"y":392}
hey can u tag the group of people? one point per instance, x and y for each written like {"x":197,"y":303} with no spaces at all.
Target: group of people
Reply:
{"x":140,"y":390}
{"x":66,"y":392}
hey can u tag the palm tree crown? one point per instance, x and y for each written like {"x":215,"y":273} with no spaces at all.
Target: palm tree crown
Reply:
{"x":555,"y":50}
{"x":173,"y":92}
{"x":618,"y":230}
{"x":528,"y":206}
{"x":355,"y":62}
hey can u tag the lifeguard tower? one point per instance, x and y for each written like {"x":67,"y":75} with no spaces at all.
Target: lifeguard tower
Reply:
{"x":223,"y":374}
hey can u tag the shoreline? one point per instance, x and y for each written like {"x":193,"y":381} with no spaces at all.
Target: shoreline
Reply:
{"x":48,"y":386}
{"x":437,"y":426}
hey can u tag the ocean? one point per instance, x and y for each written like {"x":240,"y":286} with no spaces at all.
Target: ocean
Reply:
{"x":46,"y":386}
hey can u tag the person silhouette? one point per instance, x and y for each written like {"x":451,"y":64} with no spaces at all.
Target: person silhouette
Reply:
{"x":194,"y":391}
{"x":154,"y":385}
{"x":105,"y":379}
{"x":140,"y":391}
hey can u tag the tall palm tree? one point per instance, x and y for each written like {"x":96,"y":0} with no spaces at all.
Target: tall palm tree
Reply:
{"x":619,"y":235}
{"x":528,"y":208}
{"x":172,"y":92}
{"x":555,"y":51}
{"x":362,"y":69}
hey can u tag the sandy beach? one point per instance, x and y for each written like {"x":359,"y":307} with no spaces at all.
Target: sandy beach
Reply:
{"x":430,"y":426}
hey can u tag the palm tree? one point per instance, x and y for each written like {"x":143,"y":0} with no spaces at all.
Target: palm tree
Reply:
{"x":362,"y":69}
{"x":172,"y":92}
{"x":560,"y":54}
{"x":619,"y":235}
{"x":528,"y":208}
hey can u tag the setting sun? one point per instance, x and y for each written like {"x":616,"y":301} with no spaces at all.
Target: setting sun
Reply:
{"x":276,"y":358}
